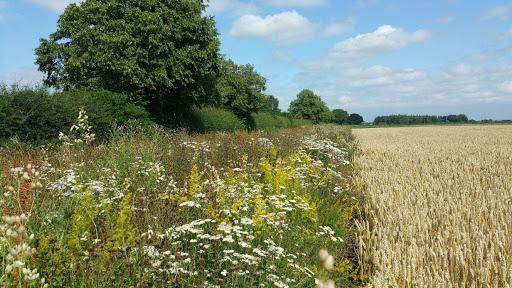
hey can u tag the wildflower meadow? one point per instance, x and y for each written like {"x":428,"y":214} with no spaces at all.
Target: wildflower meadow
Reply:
{"x":246,"y":209}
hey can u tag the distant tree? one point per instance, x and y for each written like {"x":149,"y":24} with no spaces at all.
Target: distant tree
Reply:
{"x":271,"y":105}
{"x":419,"y":119}
{"x":340,"y":116}
{"x":162,"y":54}
{"x":241,"y":88}
{"x":355,"y":119}
{"x":310,"y":106}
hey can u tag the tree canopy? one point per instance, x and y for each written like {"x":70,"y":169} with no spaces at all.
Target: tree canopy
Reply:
{"x":340,"y":116}
{"x":355,"y":119}
{"x":162,"y":54}
{"x":419,"y":119}
{"x":310,"y":106}
{"x":241,"y":88}
{"x":271,"y":104}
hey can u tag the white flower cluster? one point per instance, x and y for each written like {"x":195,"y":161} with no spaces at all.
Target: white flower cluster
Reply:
{"x":80,"y":132}
{"x":14,"y":236}
{"x":265,"y":143}
{"x":326,"y":149}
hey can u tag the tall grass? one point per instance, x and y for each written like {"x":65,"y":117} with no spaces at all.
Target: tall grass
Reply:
{"x":438,"y":210}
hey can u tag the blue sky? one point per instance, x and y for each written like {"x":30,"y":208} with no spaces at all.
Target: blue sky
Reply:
{"x":372,"y":57}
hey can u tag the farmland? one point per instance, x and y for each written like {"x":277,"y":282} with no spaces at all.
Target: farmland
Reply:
{"x":437,"y":206}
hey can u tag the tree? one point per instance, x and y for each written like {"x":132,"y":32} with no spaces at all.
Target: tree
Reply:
{"x":340,"y":116}
{"x":355,"y":119}
{"x":271,"y":105}
{"x":241,"y":88}
{"x":162,"y":54}
{"x":310,"y":106}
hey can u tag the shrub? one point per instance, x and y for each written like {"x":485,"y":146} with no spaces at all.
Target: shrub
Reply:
{"x":263,"y":121}
{"x":297,"y":122}
{"x":283,"y":122}
{"x":209,"y":119}
{"x":30,"y":115}
{"x":267,"y":121}
{"x":105,"y":109}
{"x":35,"y":115}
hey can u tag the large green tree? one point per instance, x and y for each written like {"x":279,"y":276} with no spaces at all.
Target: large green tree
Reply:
{"x":310,"y":106}
{"x":340,"y":116}
{"x":241,"y":88}
{"x":162,"y":54}
{"x":355,"y":119}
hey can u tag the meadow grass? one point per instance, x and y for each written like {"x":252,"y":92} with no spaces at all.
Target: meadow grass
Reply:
{"x":244,"y":209}
{"x":437,"y":207}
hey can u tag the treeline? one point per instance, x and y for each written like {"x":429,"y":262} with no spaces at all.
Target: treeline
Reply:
{"x":162,"y":65}
{"x":419,"y":119}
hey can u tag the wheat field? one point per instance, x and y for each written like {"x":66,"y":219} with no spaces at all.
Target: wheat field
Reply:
{"x":438,"y":207}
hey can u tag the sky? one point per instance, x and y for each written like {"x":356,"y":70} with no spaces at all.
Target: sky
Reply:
{"x":371,"y":57}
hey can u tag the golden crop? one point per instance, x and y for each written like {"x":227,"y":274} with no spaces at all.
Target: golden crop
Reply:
{"x":438,"y":210}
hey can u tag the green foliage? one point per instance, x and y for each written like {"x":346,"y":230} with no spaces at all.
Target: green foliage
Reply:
{"x":124,"y":234}
{"x":105,"y":109}
{"x":31,"y":114}
{"x":241,"y":88}
{"x":283,"y":122}
{"x":271,"y":105}
{"x":264,"y":121}
{"x":340,"y":116}
{"x":163,"y":54}
{"x":268,"y":122}
{"x":310,"y":106}
{"x":355,"y":119}
{"x":296,"y":122}
{"x":419,"y":119}
{"x":210,"y":119}
{"x":34,"y":115}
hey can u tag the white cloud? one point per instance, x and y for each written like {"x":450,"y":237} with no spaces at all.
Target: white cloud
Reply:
{"x":380,"y":75}
{"x":284,"y":28}
{"x":344,"y":100}
{"x":55,"y":5}
{"x":506,"y":86}
{"x":386,"y":38}
{"x":367,"y":3}
{"x":498,"y":12}
{"x":504,"y":35}
{"x":296,"y":2}
{"x":339,"y":28}
{"x":233,"y":7}
{"x":24,"y":76}
{"x":465,"y":69}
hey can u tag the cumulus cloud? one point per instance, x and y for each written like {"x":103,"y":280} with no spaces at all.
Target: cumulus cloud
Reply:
{"x":284,"y":28}
{"x":55,"y":5}
{"x":339,"y":28}
{"x":465,"y":69}
{"x":24,"y":76}
{"x":381,"y":75}
{"x":498,"y":12}
{"x":296,"y":2}
{"x":386,"y":38}
{"x":506,"y":86}
{"x":344,"y":76}
{"x":233,"y":7}
{"x":344,"y":100}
